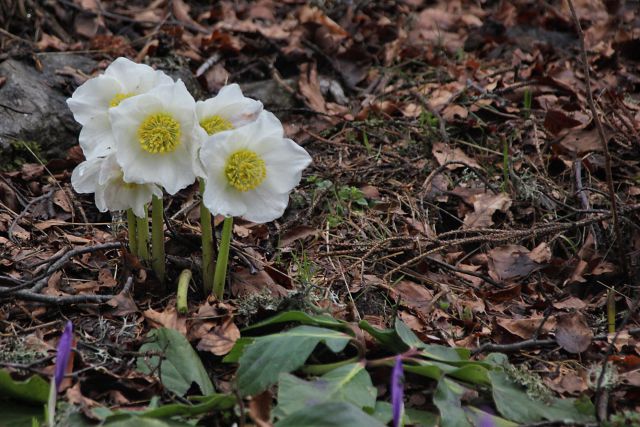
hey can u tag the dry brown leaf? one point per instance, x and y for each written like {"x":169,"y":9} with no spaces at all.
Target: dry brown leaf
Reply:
{"x":221,"y":339}
{"x":260,"y":409}
{"x":443,"y":153}
{"x":244,"y":283}
{"x":168,"y":318}
{"x":484,"y":206}
{"x":511,"y":261}
{"x":573,"y":334}
{"x":526,"y":328}
{"x":310,"y":87}
{"x":413,"y":295}
{"x":297,"y":233}
{"x":181,"y":11}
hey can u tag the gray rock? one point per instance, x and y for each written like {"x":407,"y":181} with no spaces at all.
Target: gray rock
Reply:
{"x":33,"y":103}
{"x":271,"y":93}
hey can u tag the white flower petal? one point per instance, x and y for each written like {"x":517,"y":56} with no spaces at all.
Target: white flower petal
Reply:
{"x":284,"y":162}
{"x":96,"y":137}
{"x":231,"y":105}
{"x":136,"y":78}
{"x":265,"y":206}
{"x":220,"y":199}
{"x":84,"y":177}
{"x":91,"y":99}
{"x":172,"y":170}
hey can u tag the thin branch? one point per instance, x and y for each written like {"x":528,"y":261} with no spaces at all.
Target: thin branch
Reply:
{"x":603,"y":141}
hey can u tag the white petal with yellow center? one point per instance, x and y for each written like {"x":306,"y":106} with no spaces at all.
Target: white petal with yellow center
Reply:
{"x":155,"y":137}
{"x":90,"y":103}
{"x":250,"y":171}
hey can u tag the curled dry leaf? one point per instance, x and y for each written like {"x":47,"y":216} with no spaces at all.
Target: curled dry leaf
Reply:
{"x":484,"y":206}
{"x":221,"y":339}
{"x":572,"y":333}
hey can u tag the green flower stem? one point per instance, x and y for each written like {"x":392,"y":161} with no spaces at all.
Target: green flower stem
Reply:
{"x":207,"y":244}
{"x":133,"y":236}
{"x":223,"y":258}
{"x":142,"y":229}
{"x":157,"y":238}
{"x":183,"y":290}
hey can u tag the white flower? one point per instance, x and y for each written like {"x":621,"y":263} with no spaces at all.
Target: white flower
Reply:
{"x":229,"y":109}
{"x":103,"y":176}
{"x":90,"y":103}
{"x":251,"y":170}
{"x":154,"y":137}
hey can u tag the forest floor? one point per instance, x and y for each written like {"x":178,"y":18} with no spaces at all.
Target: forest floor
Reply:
{"x":466,"y":180}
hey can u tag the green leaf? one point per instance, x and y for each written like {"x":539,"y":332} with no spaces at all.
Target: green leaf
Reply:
{"x":16,"y":414}
{"x":512,"y":402}
{"x":267,"y":357}
{"x":479,"y":417}
{"x":350,"y":383}
{"x":181,"y":366}
{"x":301,"y":317}
{"x":237,"y":350}
{"x":33,"y":389}
{"x":383,"y":413}
{"x":133,"y":421}
{"x":389,"y":338}
{"x":471,"y":373}
{"x":330,"y":414}
{"x":447,"y":400}
{"x":426,"y":369}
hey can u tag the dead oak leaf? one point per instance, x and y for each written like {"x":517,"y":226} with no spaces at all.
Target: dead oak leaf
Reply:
{"x":572,"y":333}
{"x":221,"y":339}
{"x":511,"y":261}
{"x":484,"y":206}
{"x":168,"y":318}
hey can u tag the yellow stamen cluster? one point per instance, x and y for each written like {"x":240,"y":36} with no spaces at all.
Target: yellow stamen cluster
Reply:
{"x":159,"y":134}
{"x":215,"y":124}
{"x":116,"y":100}
{"x":245,"y":170}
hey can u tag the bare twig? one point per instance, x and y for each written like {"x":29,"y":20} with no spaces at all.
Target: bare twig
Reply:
{"x":603,"y":141}
{"x":24,"y":212}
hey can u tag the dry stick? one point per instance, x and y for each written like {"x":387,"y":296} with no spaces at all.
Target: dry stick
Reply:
{"x":602,"y":397}
{"x":603,"y":141}
{"x":71,"y":299}
{"x":59,"y":263}
{"x":24,"y":212}
{"x":536,"y":343}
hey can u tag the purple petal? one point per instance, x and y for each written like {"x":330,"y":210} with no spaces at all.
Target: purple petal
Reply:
{"x":397,"y":391}
{"x":63,"y":354}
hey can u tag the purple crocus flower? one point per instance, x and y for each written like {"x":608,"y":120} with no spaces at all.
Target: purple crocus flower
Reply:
{"x":63,"y":354}
{"x":397,"y":391}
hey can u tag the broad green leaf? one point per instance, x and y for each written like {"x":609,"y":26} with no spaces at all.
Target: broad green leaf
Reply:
{"x":471,"y":373}
{"x":238,"y":348}
{"x":202,"y":405}
{"x":301,"y":317}
{"x":569,"y":411}
{"x":181,"y":366}
{"x":426,"y":369}
{"x":383,"y":413}
{"x":350,"y":383}
{"x":33,"y":389}
{"x":133,"y":421}
{"x":330,"y":414}
{"x":479,"y":418}
{"x":512,"y":402}
{"x":447,"y":399}
{"x":389,"y":338}
{"x":267,"y":357}
{"x":16,"y":414}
